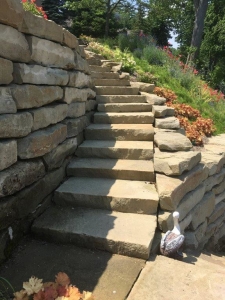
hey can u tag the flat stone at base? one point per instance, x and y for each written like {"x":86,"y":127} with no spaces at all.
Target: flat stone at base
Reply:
{"x":167,"y":123}
{"x":172,"y":141}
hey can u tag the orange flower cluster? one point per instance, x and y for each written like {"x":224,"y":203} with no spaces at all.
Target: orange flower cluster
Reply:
{"x":29,"y":5}
{"x":195,"y":125}
{"x":61,"y":289}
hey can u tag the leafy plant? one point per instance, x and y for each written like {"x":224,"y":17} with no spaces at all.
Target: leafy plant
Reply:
{"x":29,"y":5}
{"x":6,"y":289}
{"x":154,"y":55}
{"x":146,"y":77}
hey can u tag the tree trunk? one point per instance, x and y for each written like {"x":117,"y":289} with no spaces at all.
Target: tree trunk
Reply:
{"x":108,"y":6}
{"x":200,"y":13}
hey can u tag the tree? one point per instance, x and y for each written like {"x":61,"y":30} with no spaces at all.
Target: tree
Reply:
{"x":55,"y":10}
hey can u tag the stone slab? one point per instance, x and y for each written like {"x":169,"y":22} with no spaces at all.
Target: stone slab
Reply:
{"x":81,"y":64}
{"x":30,"y":96}
{"x":120,"y":99}
{"x":111,"y":82}
{"x":6,"y":71}
{"x":154,"y":99}
{"x":214,"y":180}
{"x":13,"y":44}
{"x":7,"y":104}
{"x":70,"y":40}
{"x":167,"y":123}
{"x":172,"y":141}
{"x":213,"y":161}
{"x":20,"y":175}
{"x":119,"y":233}
{"x":41,"y":142}
{"x":219,"y":188}
{"x":79,"y":80}
{"x":171,"y":189}
{"x":38,"y":26}
{"x":124,"y":118}
{"x":90,"y":105}
{"x":35,"y":74}
{"x":104,"y":274}
{"x":75,"y":126}
{"x":106,"y":75}
{"x":161,"y":111}
{"x":55,"y":158}
{"x":11,"y":13}
{"x":144,"y":87}
{"x":124,"y":107}
{"x":116,"y":90}
{"x":76,"y":109}
{"x":116,"y":149}
{"x":15,"y":125}
{"x":45,"y":116}
{"x":8,"y":153}
{"x":77,"y":95}
{"x":50,"y":54}
{"x":188,"y":280}
{"x":175,"y":163}
{"x":105,"y":193}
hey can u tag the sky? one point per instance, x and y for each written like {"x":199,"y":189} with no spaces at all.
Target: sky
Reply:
{"x":172,"y":41}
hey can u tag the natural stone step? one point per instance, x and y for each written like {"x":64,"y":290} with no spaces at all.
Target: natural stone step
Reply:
{"x":120,"y":132}
{"x":126,"y":234}
{"x":116,"y":149}
{"x":111,"y":82}
{"x":112,"y":168}
{"x":124,"y":118}
{"x":154,"y":99}
{"x":99,"y":69}
{"x":104,"y":75}
{"x":94,"y":61}
{"x":162,"y":111}
{"x":172,"y":141}
{"x":121,"y":99}
{"x":116,"y":90}
{"x":128,"y":196}
{"x":124,"y":107}
{"x":167,"y":123}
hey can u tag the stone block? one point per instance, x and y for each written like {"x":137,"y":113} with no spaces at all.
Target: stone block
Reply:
{"x":56,"y":157}
{"x":81,"y":51}
{"x":80,"y":80}
{"x":218,"y":189}
{"x":167,"y":123}
{"x":50,"y":54}
{"x":76,"y":109}
{"x":80,"y":95}
{"x":161,"y":111}
{"x":40,"y":27}
{"x":80,"y":138}
{"x":90,"y":105}
{"x":20,"y":175}
{"x":41,"y":142}
{"x":6,"y":71}
{"x":220,"y":197}
{"x":213,"y":161}
{"x":214,"y":180}
{"x":29,"y":96}
{"x":70,"y":40}
{"x":47,"y":115}
{"x":175,"y":163}
{"x":154,"y":99}
{"x":144,"y":87}
{"x":171,"y":189}
{"x":200,"y":231}
{"x":217,"y":213}
{"x":81,"y":64}
{"x":7,"y":104}
{"x":15,"y":125}
{"x":203,"y":210}
{"x":11,"y":13}
{"x":35,"y":74}
{"x":190,"y":241}
{"x":75,"y":126}
{"x":14,"y":46}
{"x":172,"y":141}
{"x":8,"y":153}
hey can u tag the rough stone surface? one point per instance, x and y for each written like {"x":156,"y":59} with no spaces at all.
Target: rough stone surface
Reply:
{"x":220,"y":197}
{"x":7,"y":104}
{"x":172,"y":141}
{"x":29,"y":96}
{"x":171,"y":190}
{"x":154,"y":99}
{"x":11,"y":13}
{"x":90,"y":105}
{"x":55,"y":158}
{"x":15,"y":125}
{"x":13,"y":44}
{"x":50,"y":54}
{"x":81,"y":64}
{"x":75,"y":126}
{"x":161,"y":111}
{"x":213,"y":161}
{"x":79,"y":80}
{"x":76,"y":109}
{"x":80,"y":95}
{"x":8,"y":153}
{"x":48,"y":115}
{"x":35,"y":74}
{"x":167,"y":123}
{"x":144,"y":87}
{"x":42,"y":141}
{"x":70,"y":40}
{"x":203,"y":210}
{"x":216,"y":179}
{"x":175,"y":163}
{"x":20,"y":175}
{"x":219,"y":188}
{"x":6,"y":71}
{"x":40,"y":27}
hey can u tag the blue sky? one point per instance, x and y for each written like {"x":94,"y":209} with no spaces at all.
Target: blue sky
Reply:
{"x":172,"y":41}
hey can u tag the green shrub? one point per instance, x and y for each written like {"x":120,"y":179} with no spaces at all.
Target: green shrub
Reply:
{"x":155,"y":56}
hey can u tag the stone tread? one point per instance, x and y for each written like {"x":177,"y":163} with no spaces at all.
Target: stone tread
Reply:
{"x":130,"y":132}
{"x":104,"y":75}
{"x":121,"y":99}
{"x":116,"y":90}
{"x":112,"y":168}
{"x":124,"y":118}
{"x":116,"y":149}
{"x":126,"y":234}
{"x":124,"y":107}
{"x":99,"y":68}
{"x":111,"y":82}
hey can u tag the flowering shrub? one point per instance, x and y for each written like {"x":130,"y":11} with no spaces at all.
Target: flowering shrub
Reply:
{"x":128,"y":63}
{"x":29,"y":5}
{"x":146,"y":77}
{"x":61,"y":289}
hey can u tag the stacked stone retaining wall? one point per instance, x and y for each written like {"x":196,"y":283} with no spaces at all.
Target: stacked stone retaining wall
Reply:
{"x":46,"y":99}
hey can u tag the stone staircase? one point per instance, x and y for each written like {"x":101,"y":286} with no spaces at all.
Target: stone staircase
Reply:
{"x":109,"y":201}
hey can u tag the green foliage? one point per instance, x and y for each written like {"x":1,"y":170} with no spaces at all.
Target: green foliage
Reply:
{"x":154,"y":55}
{"x":55,"y":11}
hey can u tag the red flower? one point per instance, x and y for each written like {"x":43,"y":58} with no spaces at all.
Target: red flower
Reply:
{"x":24,"y":1}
